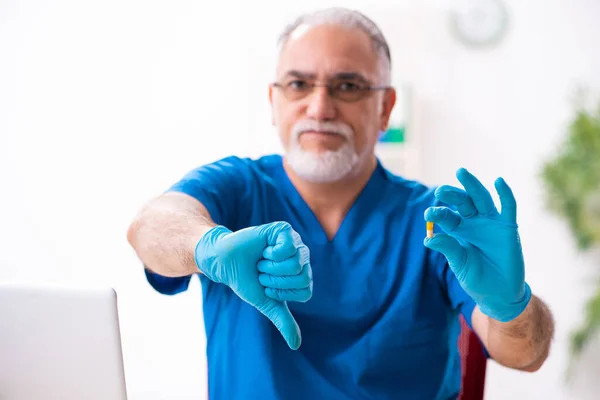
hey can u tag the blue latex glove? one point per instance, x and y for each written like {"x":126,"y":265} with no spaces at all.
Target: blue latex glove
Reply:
{"x":266,"y":266}
{"x":482,"y":245}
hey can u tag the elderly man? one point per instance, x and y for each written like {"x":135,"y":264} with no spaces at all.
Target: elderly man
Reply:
{"x":317,"y":278}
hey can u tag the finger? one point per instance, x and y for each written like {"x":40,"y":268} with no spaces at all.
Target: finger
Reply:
{"x":280,"y":315}
{"x":482,"y":199}
{"x":451,"y":249}
{"x":291,"y":266}
{"x":507,"y":201}
{"x":458,"y":198}
{"x":300,"y":281}
{"x":446,"y":218}
{"x":281,"y":241}
{"x":297,"y":295}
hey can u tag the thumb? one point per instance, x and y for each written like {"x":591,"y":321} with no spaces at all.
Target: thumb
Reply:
{"x":281,"y":241}
{"x":446,"y":218}
{"x":450,"y":248}
{"x":281,"y":316}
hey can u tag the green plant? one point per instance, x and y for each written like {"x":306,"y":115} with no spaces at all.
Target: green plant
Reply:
{"x":572,"y":187}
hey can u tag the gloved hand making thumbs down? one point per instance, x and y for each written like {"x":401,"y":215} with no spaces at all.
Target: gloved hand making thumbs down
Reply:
{"x":265,"y":265}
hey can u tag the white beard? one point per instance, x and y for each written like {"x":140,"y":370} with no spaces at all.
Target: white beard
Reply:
{"x":326,"y":166}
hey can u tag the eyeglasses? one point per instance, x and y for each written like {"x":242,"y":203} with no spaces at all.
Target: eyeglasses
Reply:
{"x":347,"y":91}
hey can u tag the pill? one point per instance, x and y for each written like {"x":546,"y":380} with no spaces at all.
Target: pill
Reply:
{"x":429,"y":229}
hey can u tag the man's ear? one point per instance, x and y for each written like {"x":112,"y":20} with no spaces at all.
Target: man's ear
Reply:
{"x":389,"y":101}
{"x":271,"y":103}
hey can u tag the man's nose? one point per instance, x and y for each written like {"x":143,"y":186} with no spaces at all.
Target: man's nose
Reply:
{"x":321,"y":106}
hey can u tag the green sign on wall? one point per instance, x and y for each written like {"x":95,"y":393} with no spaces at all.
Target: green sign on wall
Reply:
{"x":395,"y":134}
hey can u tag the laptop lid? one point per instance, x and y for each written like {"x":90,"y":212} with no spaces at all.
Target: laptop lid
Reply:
{"x":59,"y":342}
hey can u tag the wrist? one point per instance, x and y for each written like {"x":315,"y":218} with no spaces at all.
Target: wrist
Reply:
{"x":507,"y":312}
{"x":205,"y":253}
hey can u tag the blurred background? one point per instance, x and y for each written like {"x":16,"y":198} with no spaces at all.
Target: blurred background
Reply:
{"x":103,"y":105}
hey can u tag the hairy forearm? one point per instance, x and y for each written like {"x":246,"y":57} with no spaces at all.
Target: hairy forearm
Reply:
{"x":523,"y":343}
{"x":165,"y":232}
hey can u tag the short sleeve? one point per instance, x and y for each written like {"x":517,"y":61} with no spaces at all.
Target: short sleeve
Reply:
{"x":221,"y":187}
{"x":167,"y":285}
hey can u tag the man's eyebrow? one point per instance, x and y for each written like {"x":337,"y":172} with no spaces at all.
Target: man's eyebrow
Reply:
{"x":299,"y":74}
{"x":351,"y":76}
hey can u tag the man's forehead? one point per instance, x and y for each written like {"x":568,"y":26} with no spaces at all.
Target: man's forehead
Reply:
{"x":327,"y":51}
{"x":299,"y":32}
{"x":328,"y":36}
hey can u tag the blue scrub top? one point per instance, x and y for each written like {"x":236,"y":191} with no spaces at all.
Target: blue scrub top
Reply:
{"x":383,"y":320}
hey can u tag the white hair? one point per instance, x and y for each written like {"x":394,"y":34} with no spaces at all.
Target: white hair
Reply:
{"x":349,"y":19}
{"x":327,"y":166}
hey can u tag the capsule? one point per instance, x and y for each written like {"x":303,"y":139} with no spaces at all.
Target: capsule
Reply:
{"x":429,"y":229}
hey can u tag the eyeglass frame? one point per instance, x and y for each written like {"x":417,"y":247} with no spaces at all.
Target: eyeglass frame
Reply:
{"x":363,"y":90}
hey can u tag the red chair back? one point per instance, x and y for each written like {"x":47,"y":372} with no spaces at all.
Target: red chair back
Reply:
{"x":473,"y":363}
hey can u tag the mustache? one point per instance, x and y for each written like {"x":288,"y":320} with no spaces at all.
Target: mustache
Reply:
{"x":338,"y":128}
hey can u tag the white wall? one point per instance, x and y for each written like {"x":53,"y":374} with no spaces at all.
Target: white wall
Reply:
{"x":103,"y":105}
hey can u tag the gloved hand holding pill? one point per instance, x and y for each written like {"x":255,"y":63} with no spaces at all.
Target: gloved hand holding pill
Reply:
{"x":482,"y":245}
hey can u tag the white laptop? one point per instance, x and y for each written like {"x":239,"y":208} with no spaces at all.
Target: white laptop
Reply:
{"x":59,"y":343}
